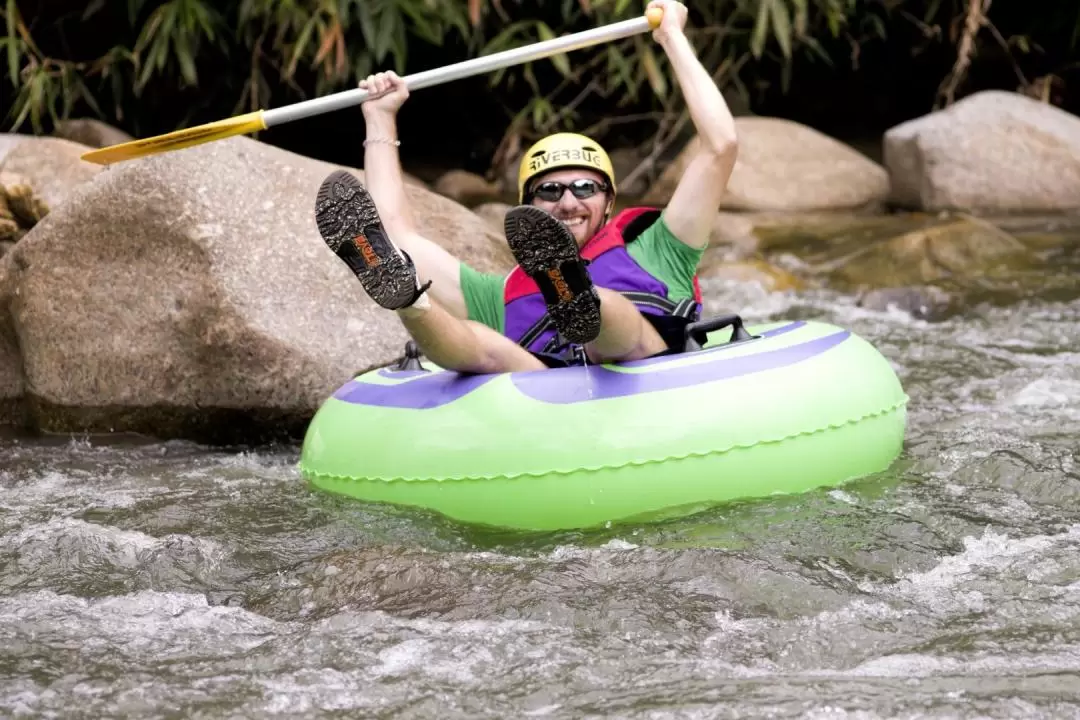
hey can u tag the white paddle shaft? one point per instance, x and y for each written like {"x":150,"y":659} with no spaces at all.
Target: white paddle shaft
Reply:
{"x":464,"y":69}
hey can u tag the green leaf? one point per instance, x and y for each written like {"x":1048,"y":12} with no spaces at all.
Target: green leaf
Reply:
{"x":401,"y":43}
{"x":205,"y":17}
{"x":146,"y":34}
{"x":386,"y":35}
{"x":362,"y":68}
{"x":802,"y":13}
{"x":560,"y":61}
{"x":621,"y":66}
{"x":931,"y":10}
{"x":187,"y":65}
{"x":815,"y":49}
{"x":89,"y":98}
{"x":879,"y":26}
{"x":134,"y":6}
{"x":530,"y":78}
{"x":833,"y":20}
{"x":761,"y":29}
{"x":541,"y":110}
{"x":38,"y":98}
{"x":23,"y":103}
{"x":422,"y":25}
{"x":92,"y":8}
{"x":13,"y":42}
{"x":781,"y":22}
{"x":504,"y":39}
{"x":657,"y":81}
{"x":300,"y":46}
{"x":367,"y":24}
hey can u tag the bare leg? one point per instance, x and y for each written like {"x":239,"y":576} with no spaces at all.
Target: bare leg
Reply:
{"x":464,"y":345}
{"x":349,"y":223}
{"x":624,"y":333}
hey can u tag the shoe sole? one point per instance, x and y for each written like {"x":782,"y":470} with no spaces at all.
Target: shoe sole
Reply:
{"x":350,"y":226}
{"x":547,"y":252}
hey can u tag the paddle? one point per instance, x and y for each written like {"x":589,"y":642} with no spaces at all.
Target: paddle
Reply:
{"x":263,"y":119}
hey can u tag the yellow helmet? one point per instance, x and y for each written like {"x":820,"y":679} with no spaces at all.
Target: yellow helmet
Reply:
{"x":563,"y":150}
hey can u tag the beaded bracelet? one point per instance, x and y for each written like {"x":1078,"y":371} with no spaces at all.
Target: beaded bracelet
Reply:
{"x":388,"y":141}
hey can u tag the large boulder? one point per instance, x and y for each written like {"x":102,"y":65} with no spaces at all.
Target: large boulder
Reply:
{"x":51,"y":166}
{"x":8,"y":142}
{"x":494,"y":214}
{"x":20,"y":210}
{"x":992,"y":152}
{"x":11,"y":373}
{"x":929,"y":264}
{"x":91,"y":132}
{"x":189,"y":294}
{"x":955,"y":250}
{"x":466,"y":188}
{"x":768,"y":276}
{"x":787,"y":167}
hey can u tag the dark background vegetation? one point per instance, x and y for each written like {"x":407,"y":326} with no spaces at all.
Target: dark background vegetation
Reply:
{"x":850,"y":68}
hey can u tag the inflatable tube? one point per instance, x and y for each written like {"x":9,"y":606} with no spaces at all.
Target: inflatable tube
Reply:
{"x":800,"y":405}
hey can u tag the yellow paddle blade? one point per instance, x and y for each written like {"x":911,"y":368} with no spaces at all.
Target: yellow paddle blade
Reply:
{"x":239,"y":125}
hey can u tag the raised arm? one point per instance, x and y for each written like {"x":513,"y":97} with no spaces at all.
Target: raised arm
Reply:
{"x":384,"y":179}
{"x":692,"y":210}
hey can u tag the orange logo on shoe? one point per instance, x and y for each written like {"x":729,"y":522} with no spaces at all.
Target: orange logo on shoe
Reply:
{"x":366,"y":251}
{"x":561,"y":288}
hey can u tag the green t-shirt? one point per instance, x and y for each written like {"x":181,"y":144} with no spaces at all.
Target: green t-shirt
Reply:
{"x":657,"y":250}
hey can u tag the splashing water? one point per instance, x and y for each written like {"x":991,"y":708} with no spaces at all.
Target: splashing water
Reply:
{"x":166,"y":579}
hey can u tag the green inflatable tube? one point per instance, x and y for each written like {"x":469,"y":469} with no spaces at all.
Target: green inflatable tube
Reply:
{"x":799,"y":405}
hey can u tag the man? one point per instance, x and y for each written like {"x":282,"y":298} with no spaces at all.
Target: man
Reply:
{"x":580,"y":293}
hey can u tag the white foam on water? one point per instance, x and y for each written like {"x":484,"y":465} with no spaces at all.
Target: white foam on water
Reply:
{"x":83,"y":534}
{"x":748,"y":299}
{"x":1062,"y":394}
{"x":403,"y":657}
{"x":298,"y":693}
{"x":912,"y":666}
{"x":843,"y":496}
{"x":363,"y":623}
{"x":148,"y":623}
{"x":562,"y":553}
{"x":20,"y":697}
{"x":542,"y":711}
{"x":245,"y":468}
{"x":996,"y":583}
{"x":66,"y":492}
{"x":130,"y":614}
{"x":70,"y":542}
{"x":342,"y":658}
{"x":830,"y":712}
{"x":988,"y":556}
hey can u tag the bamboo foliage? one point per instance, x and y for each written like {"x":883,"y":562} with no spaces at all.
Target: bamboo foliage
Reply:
{"x":249,"y":54}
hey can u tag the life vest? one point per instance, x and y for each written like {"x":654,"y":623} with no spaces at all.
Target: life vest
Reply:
{"x":610,"y":266}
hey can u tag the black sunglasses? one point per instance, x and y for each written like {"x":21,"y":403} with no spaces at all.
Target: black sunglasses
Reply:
{"x":582,"y":188}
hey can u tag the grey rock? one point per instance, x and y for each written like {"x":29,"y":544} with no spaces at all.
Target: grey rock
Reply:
{"x":992,"y":152}
{"x":189,"y":294}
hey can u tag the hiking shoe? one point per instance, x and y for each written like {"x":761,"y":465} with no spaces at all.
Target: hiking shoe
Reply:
{"x":547,"y":252}
{"x":350,"y":226}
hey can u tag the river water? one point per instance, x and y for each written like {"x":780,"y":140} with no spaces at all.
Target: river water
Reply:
{"x":164,"y":579}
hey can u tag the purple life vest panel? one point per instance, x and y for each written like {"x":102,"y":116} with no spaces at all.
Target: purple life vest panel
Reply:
{"x":610,"y":266}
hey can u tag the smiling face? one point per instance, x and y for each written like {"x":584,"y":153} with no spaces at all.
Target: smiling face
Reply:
{"x":582,"y":216}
